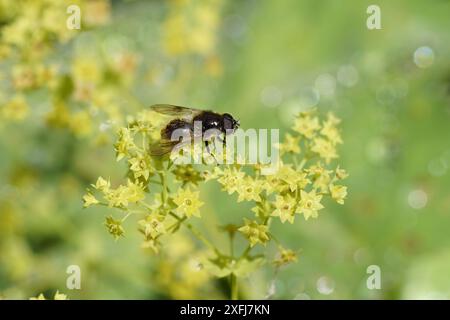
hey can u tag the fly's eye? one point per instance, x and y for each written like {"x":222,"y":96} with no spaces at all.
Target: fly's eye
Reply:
{"x":227,"y":123}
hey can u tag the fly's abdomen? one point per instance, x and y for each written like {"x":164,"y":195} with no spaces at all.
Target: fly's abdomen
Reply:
{"x":176,"y":129}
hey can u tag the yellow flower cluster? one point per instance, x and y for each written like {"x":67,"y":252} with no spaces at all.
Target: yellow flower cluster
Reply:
{"x":300,"y":184}
{"x":82,"y":91}
{"x":91,"y":89}
{"x":164,"y":211}
{"x":191,"y":27}
{"x":119,"y":197}
{"x":298,"y":188}
{"x":254,"y":232}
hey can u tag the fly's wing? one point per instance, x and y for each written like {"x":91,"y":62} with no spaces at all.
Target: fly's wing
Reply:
{"x":165,"y":146}
{"x":162,"y":148}
{"x":176,"y":111}
{"x":170,"y":138}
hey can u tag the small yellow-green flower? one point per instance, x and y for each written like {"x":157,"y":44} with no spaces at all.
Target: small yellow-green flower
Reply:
{"x":249,"y":189}
{"x":102,"y":184}
{"x":114,"y":227}
{"x":123,"y":195}
{"x":89,"y":200}
{"x":341,"y":174}
{"x":330,"y":130}
{"x":320,"y":176}
{"x":292,"y":178}
{"x":272,"y":184}
{"x":309,"y":204}
{"x":188,"y":202}
{"x":230,"y":179}
{"x":254,"y":232}
{"x":333,"y":119}
{"x":286,"y":256}
{"x":117,"y":197}
{"x":124,"y":143}
{"x":153,"y":224}
{"x":134,"y":191}
{"x":140,"y":165}
{"x":285,"y":208}
{"x":338,"y":193}
{"x":325,"y":149}
{"x":306,"y":125}
{"x":290,"y":144}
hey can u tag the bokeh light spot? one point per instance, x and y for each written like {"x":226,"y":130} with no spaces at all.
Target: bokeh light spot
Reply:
{"x":326,"y":85}
{"x":437,"y":167}
{"x":302,"y":296}
{"x":417,"y":199}
{"x":325,"y":285}
{"x":271,"y":96}
{"x":309,"y":97}
{"x":348,"y":75}
{"x":424,"y":57}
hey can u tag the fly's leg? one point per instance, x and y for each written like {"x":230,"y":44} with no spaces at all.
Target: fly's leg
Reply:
{"x":223,"y":140}
{"x":209,"y":150}
{"x":224,"y":145}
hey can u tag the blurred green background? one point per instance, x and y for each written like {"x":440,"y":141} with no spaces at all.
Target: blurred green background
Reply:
{"x":261,"y":61}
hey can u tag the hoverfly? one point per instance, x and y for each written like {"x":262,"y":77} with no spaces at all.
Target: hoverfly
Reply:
{"x":186,"y":121}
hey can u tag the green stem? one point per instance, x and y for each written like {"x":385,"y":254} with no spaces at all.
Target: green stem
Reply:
{"x":246,"y":251}
{"x":125,"y":218}
{"x":231,"y":245}
{"x":302,"y":164}
{"x":144,"y":141}
{"x":234,"y":287}
{"x":196,"y":233}
{"x":193,"y":230}
{"x":176,"y":224}
{"x":164,"y":187}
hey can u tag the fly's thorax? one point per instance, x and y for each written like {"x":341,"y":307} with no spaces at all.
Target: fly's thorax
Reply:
{"x":210,"y":120}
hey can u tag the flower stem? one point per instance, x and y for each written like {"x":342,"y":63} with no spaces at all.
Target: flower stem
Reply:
{"x":234,"y":287}
{"x":231,"y":236}
{"x":196,"y":233}
{"x":246,"y":251}
{"x":164,"y":187}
